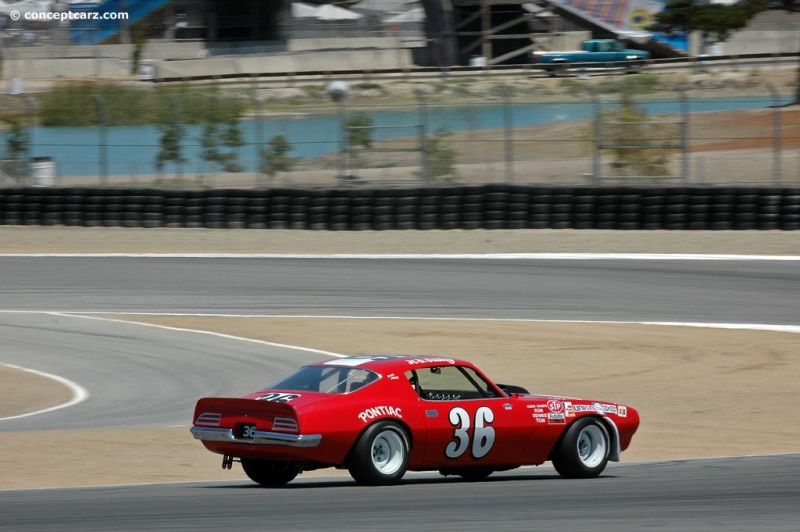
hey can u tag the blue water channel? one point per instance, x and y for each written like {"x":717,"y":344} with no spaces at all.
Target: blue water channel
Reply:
{"x":132,"y":150}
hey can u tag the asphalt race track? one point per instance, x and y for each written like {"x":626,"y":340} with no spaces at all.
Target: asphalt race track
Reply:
{"x":150,"y":377}
{"x":756,"y":493}
{"x":699,"y":291}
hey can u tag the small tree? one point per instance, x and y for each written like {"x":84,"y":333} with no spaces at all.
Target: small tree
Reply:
{"x":441,"y":158}
{"x":172,"y":135}
{"x":215,"y":136}
{"x":716,"y":22}
{"x":275,"y":158}
{"x":359,"y":131}
{"x":139,"y":42}
{"x":16,"y":147}
{"x":628,"y":130}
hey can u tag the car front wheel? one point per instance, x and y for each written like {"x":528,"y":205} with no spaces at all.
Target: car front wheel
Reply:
{"x":381,"y":455}
{"x":584,"y":450}
{"x":270,"y":473}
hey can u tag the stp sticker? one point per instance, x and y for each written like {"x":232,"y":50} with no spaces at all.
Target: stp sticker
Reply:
{"x":555,"y":406}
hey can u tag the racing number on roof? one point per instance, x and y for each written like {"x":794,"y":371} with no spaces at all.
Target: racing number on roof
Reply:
{"x":482,"y":437}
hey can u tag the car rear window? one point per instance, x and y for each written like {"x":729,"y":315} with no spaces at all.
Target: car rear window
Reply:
{"x":327,"y":379}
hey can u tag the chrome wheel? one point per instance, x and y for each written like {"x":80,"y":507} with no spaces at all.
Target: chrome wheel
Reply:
{"x":381,"y":455}
{"x":583,"y":450}
{"x":388,"y":452}
{"x":592,"y":446}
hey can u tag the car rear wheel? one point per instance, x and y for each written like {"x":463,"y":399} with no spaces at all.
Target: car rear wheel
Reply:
{"x":633,"y":67}
{"x":557,"y":68}
{"x":270,"y":473}
{"x":381,"y":455}
{"x":583,"y":451}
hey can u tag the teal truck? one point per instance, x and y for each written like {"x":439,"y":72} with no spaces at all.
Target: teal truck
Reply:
{"x":595,"y":53}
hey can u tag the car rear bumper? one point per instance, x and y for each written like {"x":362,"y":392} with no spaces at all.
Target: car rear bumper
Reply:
{"x":259,"y":438}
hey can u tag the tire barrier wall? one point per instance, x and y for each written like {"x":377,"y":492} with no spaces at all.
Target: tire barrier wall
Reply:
{"x":447,"y":207}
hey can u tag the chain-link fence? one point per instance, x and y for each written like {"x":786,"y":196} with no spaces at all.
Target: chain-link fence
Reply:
{"x":700,"y":128}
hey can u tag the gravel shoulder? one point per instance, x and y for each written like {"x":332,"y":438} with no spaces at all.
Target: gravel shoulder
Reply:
{"x":20,"y":239}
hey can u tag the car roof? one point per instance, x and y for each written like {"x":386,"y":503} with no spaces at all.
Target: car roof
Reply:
{"x":394,"y":363}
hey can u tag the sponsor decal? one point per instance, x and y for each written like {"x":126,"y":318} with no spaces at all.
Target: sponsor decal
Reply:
{"x":622,"y":411}
{"x":278,"y":397}
{"x":568,"y":410}
{"x":380,"y":411}
{"x":555,"y":406}
{"x":556,"y":418}
{"x":426,"y":360}
{"x":598,"y":408}
{"x":610,"y":409}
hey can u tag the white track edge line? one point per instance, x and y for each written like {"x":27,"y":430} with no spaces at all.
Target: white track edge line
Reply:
{"x":100,"y":314}
{"x":79,"y":393}
{"x":200,"y":331}
{"x":423,"y":256}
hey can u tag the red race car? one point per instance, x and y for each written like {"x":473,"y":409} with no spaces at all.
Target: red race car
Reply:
{"x":380,"y":416}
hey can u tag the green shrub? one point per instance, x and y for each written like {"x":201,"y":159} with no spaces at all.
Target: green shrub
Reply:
{"x":73,"y":104}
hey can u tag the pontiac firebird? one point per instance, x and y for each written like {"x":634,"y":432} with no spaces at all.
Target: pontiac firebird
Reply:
{"x":380,"y":416}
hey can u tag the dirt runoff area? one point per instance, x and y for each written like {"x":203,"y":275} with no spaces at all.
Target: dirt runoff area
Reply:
{"x":700,"y":391}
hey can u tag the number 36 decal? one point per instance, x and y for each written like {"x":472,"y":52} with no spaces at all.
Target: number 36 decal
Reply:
{"x":483,"y":435}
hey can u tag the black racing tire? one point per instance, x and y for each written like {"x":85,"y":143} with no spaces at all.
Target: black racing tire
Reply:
{"x":634,"y":66}
{"x":381,"y":455}
{"x":556,"y":68}
{"x":270,"y":473}
{"x":584,"y":450}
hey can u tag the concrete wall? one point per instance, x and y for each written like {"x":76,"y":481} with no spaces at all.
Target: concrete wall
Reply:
{"x":177,"y":60}
{"x":763,"y":41}
{"x":300,"y":45}
{"x":321,"y":61}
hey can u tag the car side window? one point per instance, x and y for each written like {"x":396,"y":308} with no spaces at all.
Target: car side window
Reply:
{"x":452,"y":383}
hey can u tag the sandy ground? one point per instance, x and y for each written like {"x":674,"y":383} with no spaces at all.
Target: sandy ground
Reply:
{"x":700,"y":391}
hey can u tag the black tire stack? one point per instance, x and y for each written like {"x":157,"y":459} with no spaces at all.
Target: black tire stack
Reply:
{"x":492,"y":206}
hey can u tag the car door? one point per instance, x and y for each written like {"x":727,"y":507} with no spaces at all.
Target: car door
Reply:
{"x":468,"y":422}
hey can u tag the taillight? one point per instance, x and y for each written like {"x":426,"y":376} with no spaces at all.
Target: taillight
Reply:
{"x":284,"y":424}
{"x":209,"y":419}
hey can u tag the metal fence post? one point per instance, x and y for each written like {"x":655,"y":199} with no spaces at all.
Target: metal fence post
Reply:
{"x":30,"y":108}
{"x":102,"y":131}
{"x":685,"y":114}
{"x":509,"y":134}
{"x":177,"y":117}
{"x":258,"y":134}
{"x":777,"y":154}
{"x":423,"y":134}
{"x":596,"y":169}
